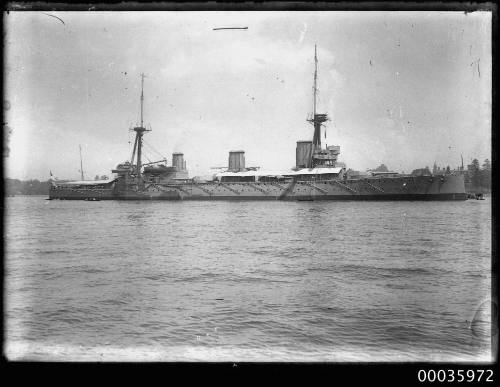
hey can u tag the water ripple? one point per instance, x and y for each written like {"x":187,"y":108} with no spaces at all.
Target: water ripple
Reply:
{"x":256,"y":281}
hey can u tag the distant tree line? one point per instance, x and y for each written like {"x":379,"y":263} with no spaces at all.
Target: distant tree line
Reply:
{"x":32,"y":187}
{"x":478,"y":177}
{"x":28,"y":187}
{"x":381,"y":168}
{"x":421,"y":172}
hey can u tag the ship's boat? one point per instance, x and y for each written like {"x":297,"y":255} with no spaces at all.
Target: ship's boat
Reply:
{"x":317,"y":175}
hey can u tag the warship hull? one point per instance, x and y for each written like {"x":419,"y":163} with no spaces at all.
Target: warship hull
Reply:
{"x":446,"y":187}
{"x":317,"y":175}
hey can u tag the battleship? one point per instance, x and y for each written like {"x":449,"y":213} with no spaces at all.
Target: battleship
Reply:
{"x":317,"y":175}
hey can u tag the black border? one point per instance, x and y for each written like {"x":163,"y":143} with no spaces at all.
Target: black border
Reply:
{"x":333,"y":373}
{"x":251,"y":6}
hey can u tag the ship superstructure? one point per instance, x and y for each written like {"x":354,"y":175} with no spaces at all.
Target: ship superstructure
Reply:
{"x":317,"y":175}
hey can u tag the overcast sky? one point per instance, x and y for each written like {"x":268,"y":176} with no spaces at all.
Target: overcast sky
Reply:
{"x":402,"y":88}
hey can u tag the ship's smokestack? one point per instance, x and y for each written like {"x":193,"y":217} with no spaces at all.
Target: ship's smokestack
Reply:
{"x":303,"y":154}
{"x":236,"y":161}
{"x":178,"y":161}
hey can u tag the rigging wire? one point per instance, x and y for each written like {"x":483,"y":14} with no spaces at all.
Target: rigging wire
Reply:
{"x":162,"y":158}
{"x":151,"y":148}
{"x":144,"y":146}
{"x":152,"y":151}
{"x":144,"y":153}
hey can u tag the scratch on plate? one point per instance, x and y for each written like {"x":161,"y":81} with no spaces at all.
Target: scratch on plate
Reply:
{"x":48,"y":14}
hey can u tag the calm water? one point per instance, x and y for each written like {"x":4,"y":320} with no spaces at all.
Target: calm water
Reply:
{"x":255,"y":281}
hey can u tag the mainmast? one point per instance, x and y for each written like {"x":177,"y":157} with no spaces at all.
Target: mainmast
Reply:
{"x":81,"y":162}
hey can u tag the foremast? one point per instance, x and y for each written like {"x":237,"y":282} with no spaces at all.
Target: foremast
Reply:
{"x":81,"y":163}
{"x":139,"y":132}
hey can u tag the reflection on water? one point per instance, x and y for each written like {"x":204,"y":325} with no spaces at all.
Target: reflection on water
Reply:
{"x":265,"y":281}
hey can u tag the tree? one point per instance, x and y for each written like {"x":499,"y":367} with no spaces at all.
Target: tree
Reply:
{"x":486,"y":175}
{"x":96,"y":177}
{"x":475,"y":174}
{"x":381,"y":168}
{"x":448,"y":169}
{"x":421,"y":172}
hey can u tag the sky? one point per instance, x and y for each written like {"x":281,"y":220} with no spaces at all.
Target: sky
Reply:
{"x":406,"y":89}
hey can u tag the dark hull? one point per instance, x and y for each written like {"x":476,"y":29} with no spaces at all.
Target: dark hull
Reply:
{"x":390,"y":197}
{"x":400,"y":188}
